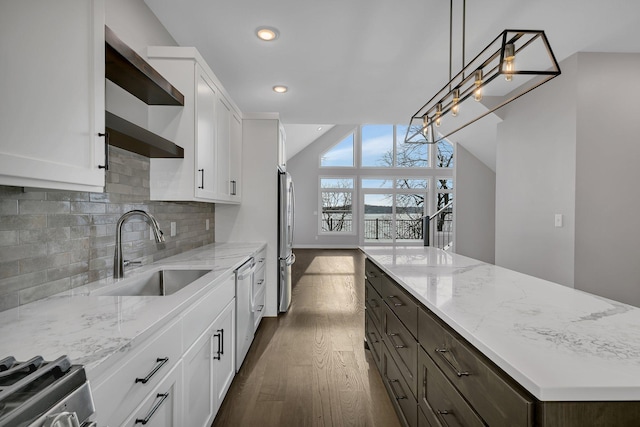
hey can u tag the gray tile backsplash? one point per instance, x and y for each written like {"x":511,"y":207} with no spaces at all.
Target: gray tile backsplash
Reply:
{"x":51,"y":241}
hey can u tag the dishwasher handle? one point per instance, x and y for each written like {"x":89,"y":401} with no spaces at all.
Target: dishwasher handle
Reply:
{"x":247,"y":269}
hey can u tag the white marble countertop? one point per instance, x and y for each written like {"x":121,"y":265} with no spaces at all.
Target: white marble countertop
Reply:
{"x":89,"y":328}
{"x":559,"y":343}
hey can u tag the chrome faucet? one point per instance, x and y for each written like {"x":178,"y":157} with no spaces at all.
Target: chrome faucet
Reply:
{"x":118,"y":261}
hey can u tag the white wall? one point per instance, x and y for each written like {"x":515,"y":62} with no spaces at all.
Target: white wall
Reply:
{"x":535,"y":179}
{"x":304,"y":170}
{"x":474,"y":205}
{"x":607,"y":244}
{"x":256,"y":219}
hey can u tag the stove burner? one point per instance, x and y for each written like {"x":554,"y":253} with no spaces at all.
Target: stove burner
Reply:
{"x":32,"y":389}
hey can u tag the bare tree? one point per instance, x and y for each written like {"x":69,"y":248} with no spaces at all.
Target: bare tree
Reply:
{"x":337,"y":207}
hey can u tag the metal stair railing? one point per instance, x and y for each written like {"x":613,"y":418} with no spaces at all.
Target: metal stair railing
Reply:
{"x":443,"y":239}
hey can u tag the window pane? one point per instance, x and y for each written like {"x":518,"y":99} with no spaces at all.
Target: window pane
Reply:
{"x":409,"y":211}
{"x":337,"y":211}
{"x":377,"y":217}
{"x":411,"y":183}
{"x":336,"y":182}
{"x":410,"y":155}
{"x":377,"y":145}
{"x":340,"y":154}
{"x":444,"y":184}
{"x":445,"y":154}
{"x":377,"y":183}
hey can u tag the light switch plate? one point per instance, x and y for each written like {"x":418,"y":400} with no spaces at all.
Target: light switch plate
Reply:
{"x":173,"y":228}
{"x":558,"y":220}
{"x":206,"y":224}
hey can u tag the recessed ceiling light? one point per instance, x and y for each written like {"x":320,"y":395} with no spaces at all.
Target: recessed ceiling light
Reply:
{"x":267,"y":33}
{"x":280,"y":89}
{"x":319,"y":128}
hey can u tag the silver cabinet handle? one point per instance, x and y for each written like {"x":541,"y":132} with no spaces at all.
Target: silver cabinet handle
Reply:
{"x":392,"y":341}
{"x":153,"y":410}
{"x":397,"y":304}
{"x":160,"y":363}
{"x":458,"y":371}
{"x":261,"y":308}
{"x":393,"y":391}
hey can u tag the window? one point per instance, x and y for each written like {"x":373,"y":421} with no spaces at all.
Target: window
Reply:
{"x":336,"y":205}
{"x":340,"y":155}
{"x":393,"y":209}
{"x":444,"y":154}
{"x":377,"y":146}
{"x":410,"y":155}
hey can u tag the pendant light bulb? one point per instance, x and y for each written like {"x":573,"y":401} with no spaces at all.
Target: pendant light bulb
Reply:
{"x":456,"y":98}
{"x":509,"y":56}
{"x":477,"y":93}
{"x":438,"y":114}
{"x":425,"y":126}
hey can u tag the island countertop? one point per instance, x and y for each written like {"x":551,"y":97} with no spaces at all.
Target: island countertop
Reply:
{"x":559,"y":343}
{"x":90,"y":328}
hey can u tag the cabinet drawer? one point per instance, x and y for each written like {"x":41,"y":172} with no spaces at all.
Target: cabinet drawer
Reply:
{"x":373,"y":304}
{"x":258,"y":308}
{"x":163,"y":406}
{"x":403,"y":347}
{"x":125,"y":389}
{"x":441,"y":399}
{"x":423,"y":421}
{"x":492,"y":393}
{"x":373,"y":275}
{"x":401,"y":397}
{"x":401,"y":303}
{"x":374,"y":340}
{"x":198,"y":318}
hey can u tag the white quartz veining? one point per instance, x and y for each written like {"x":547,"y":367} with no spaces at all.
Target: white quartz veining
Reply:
{"x":90,"y":328}
{"x":561,"y":344}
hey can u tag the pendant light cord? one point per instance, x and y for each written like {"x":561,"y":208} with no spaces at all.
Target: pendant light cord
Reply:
{"x":464,"y":30}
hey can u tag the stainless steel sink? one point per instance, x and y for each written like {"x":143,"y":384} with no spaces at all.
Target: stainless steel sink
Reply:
{"x":157,"y":283}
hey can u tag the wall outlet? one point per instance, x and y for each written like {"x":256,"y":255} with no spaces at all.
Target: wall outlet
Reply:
{"x":173,"y":228}
{"x":206,"y":224}
{"x":558,"y":220}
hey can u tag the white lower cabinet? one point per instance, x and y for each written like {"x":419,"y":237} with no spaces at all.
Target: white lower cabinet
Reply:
{"x":163,"y":407}
{"x":209,"y":370}
{"x":180,"y":375}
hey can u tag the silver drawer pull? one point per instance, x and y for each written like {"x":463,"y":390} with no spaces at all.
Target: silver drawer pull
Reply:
{"x":458,"y":371}
{"x":153,"y":410}
{"x":160,"y":363}
{"x":261,"y":308}
{"x":260,"y":282}
{"x":393,"y":391}
{"x":441,"y":417}
{"x":396,"y":304}
{"x":392,"y":341}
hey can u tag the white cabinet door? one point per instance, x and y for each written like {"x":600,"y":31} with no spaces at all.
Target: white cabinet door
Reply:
{"x":206,"y":134}
{"x":52,"y":84}
{"x":163,"y":407}
{"x":199,"y":400}
{"x":223,"y":152}
{"x":235,"y":161}
{"x":224,"y":369}
{"x":206,"y":128}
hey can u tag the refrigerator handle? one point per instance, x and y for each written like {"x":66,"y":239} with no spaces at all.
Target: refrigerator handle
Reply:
{"x":293,"y":214}
{"x":291,"y":259}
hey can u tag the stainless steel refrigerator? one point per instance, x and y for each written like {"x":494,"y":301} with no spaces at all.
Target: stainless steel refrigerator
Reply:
{"x":286,"y":257}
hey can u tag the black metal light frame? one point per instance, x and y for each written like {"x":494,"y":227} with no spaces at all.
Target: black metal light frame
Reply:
{"x":421,"y":127}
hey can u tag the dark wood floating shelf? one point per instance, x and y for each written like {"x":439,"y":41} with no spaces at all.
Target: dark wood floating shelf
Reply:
{"x":131,"y":72}
{"x":133,"y":138}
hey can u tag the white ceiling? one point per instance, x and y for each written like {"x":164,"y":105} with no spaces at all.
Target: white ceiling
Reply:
{"x":373,"y":61}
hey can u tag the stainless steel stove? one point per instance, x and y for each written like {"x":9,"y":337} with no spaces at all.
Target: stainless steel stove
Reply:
{"x":39,"y":393}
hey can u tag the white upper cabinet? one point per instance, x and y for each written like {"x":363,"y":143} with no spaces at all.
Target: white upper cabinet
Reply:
{"x":52,"y":82}
{"x":208,"y":128}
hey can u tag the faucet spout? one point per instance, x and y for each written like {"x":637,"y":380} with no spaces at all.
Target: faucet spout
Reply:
{"x":118,"y":260}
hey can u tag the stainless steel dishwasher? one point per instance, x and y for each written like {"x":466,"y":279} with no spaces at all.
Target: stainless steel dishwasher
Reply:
{"x":244,"y":310}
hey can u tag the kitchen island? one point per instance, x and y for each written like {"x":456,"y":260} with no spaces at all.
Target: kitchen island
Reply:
{"x":556,"y":345}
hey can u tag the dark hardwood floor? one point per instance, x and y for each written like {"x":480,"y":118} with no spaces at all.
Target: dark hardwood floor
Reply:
{"x":309,"y":367}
